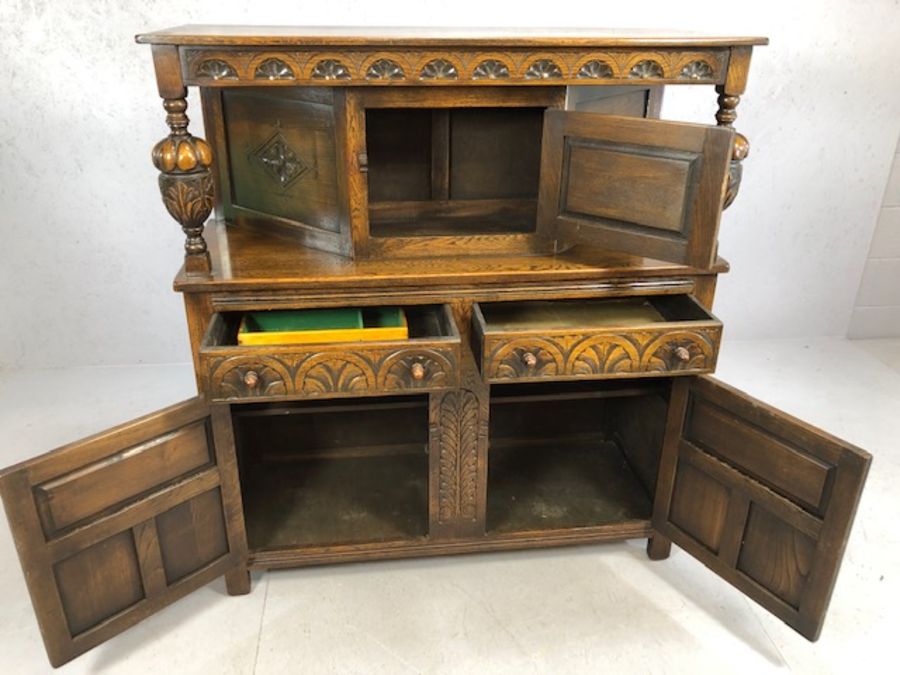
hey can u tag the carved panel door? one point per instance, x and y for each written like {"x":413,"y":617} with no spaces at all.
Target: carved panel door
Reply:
{"x":639,"y":186}
{"x":761,"y":498}
{"x":115,"y":527}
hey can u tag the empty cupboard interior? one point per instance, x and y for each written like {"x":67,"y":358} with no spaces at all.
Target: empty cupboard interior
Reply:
{"x":333,"y":472}
{"x":573,"y":455}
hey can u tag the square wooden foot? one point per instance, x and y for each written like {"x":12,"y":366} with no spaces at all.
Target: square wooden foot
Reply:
{"x":658,"y":547}
{"x":237,"y":581}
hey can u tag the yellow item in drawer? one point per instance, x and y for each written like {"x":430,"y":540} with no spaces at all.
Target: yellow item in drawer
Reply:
{"x":323,"y":326}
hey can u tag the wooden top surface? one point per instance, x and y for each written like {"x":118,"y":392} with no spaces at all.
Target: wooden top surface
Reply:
{"x":368,"y":36}
{"x":244,"y":259}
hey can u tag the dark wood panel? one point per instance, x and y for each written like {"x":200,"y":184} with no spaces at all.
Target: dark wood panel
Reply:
{"x":495,"y":153}
{"x":99,"y":582}
{"x":630,"y":101}
{"x":633,"y":185}
{"x":698,"y":506}
{"x":192,"y":535}
{"x":283,"y":156}
{"x":783,"y":555}
{"x":398,"y":150}
{"x":128,"y":474}
{"x":776,"y":556}
{"x":770,"y":460}
{"x":94,"y":581}
{"x":605,"y":182}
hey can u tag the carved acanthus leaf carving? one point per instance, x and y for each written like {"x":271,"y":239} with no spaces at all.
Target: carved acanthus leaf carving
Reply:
{"x":458,"y":456}
{"x":185,"y":181}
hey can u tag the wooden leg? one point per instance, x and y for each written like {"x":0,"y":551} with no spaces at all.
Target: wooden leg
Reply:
{"x":237,"y":581}
{"x":658,"y":547}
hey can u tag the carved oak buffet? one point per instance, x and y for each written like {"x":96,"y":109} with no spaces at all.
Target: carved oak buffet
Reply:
{"x":554,"y":247}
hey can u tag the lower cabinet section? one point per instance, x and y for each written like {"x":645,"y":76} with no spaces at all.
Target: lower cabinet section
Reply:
{"x":113,"y":528}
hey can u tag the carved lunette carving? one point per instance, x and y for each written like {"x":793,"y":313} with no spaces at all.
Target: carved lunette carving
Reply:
{"x":331,"y":373}
{"x":221,"y":66}
{"x":185,"y":182}
{"x":601,"y":356}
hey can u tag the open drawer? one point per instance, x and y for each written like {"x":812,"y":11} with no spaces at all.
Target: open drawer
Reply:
{"x":427,"y":361}
{"x":594,"y":338}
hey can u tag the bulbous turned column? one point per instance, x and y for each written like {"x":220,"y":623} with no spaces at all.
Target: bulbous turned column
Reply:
{"x":186,"y":183}
{"x":725,"y":117}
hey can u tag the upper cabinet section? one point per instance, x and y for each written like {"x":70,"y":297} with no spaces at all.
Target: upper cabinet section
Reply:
{"x":405,"y":143}
{"x":234,"y":55}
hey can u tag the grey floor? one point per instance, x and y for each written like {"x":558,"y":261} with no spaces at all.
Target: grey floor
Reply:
{"x":590,"y":609}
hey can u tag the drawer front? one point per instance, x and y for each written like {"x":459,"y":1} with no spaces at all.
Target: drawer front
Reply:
{"x":666,"y":348}
{"x":235,"y":373}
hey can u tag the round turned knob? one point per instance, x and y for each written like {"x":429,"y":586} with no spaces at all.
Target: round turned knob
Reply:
{"x":417,"y":370}
{"x":529,"y":359}
{"x":251,"y":379}
{"x":682,"y":354}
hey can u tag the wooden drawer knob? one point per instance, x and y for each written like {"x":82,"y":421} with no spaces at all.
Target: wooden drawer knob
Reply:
{"x":417,"y":370}
{"x":682,"y":354}
{"x":251,"y":379}
{"x":529,"y":359}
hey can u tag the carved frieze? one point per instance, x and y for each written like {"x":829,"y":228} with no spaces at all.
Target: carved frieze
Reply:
{"x":220,"y":66}
{"x":600,"y":356}
{"x":331,"y":372}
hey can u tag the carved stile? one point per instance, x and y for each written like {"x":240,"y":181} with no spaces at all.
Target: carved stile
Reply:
{"x":185,"y":182}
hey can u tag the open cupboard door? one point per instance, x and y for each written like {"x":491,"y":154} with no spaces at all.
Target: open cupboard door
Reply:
{"x":117,"y":526}
{"x":642,"y":187}
{"x":761,"y":498}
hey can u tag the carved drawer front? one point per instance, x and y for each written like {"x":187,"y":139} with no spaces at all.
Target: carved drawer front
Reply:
{"x":427,"y":361}
{"x":594,"y":338}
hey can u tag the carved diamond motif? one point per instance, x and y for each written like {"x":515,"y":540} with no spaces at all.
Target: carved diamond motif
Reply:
{"x":594,"y":70}
{"x":696,"y":70}
{"x":273,"y":69}
{"x":543,"y":69}
{"x":646,"y":69}
{"x":439,"y":69}
{"x":385,"y":69}
{"x":490,"y":69}
{"x":217,"y":70}
{"x":330,"y":69}
{"x":279,"y":160}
